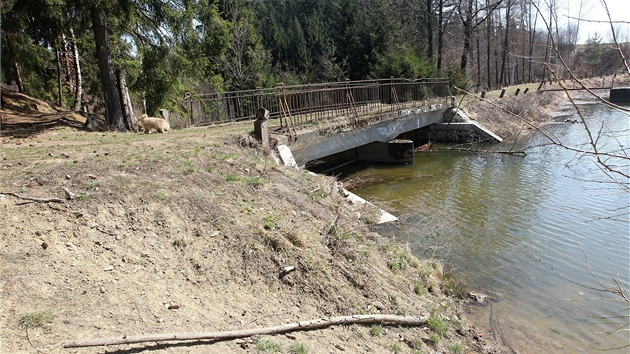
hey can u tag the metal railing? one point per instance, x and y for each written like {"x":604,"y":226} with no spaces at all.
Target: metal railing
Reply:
{"x":298,"y":105}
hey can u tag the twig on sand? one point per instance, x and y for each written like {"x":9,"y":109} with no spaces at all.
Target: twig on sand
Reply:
{"x":243,"y":333}
{"x":33,"y":199}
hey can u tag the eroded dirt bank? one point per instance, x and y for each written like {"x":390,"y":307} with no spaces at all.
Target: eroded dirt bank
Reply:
{"x":189,"y":232}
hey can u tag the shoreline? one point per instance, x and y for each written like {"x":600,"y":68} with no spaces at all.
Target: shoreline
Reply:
{"x":190,"y":231}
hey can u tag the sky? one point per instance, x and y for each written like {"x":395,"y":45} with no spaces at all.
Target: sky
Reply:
{"x":594,"y":10}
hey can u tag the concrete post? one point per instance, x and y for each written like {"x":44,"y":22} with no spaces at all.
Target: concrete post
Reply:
{"x":620,"y":95}
{"x":165,"y":113}
{"x":261,"y":130}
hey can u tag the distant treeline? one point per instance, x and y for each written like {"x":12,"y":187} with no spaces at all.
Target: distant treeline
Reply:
{"x":148,"y":54}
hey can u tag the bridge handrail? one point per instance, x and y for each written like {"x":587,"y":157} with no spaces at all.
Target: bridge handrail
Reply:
{"x":301,"y":104}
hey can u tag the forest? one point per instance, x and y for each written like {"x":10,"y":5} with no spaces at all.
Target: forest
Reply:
{"x":117,"y":57}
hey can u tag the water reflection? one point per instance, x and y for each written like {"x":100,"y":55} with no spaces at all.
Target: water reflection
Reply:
{"x":494,"y":217}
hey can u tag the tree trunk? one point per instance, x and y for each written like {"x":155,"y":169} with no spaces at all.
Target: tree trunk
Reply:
{"x":440,"y":34}
{"x":506,"y":43}
{"x":113,"y":110}
{"x":488,"y":39}
{"x":522,"y":41}
{"x":125,"y":101}
{"x":496,"y":59}
{"x":478,"y":62}
{"x":78,"y":86}
{"x":532,"y":38}
{"x":429,"y":13}
{"x":65,"y":56}
{"x":59,"y":87}
{"x":18,"y":77}
{"x":467,"y":22}
{"x":16,"y":67}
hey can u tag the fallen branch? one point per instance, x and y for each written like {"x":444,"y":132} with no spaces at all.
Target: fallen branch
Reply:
{"x":243,"y":333}
{"x":505,"y":152}
{"x":39,"y":200}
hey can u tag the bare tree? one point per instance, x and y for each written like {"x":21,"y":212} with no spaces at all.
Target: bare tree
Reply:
{"x":471,"y":18}
{"x":78,"y":81}
{"x":506,"y":42}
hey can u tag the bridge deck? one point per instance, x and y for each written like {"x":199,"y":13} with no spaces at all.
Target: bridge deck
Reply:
{"x":300,"y":106}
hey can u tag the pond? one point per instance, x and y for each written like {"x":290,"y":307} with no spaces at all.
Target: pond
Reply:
{"x":508,"y":225}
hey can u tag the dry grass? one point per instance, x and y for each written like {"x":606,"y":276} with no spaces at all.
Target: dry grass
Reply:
{"x":514,"y":117}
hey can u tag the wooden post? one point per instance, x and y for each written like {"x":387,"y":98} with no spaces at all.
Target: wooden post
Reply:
{"x":502,"y":93}
{"x":483,"y":94}
{"x":518,"y":90}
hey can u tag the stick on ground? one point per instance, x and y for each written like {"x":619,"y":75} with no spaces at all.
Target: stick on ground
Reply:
{"x":243,"y":333}
{"x":40,"y":200}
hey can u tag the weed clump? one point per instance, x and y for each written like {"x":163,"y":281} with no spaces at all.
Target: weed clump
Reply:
{"x":36,"y":319}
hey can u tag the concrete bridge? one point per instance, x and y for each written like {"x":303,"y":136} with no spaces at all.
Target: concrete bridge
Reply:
{"x":332,"y":123}
{"x":392,"y":139}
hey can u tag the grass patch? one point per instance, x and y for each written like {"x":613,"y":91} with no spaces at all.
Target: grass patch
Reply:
{"x":438,"y":325}
{"x":456,"y":322}
{"x":189,"y":167}
{"x":419,"y":288}
{"x":400,"y":262}
{"x":434,"y":338}
{"x":270,"y":222}
{"x":254,"y":182}
{"x":376,"y":331}
{"x":456,"y":348}
{"x":298,"y":348}
{"x":265,"y":345}
{"x":178,"y":242}
{"x":396,"y":347}
{"x":85,"y":196}
{"x":401,"y":311}
{"x":451,"y":287}
{"x":92,"y":185}
{"x":318,"y":194}
{"x":36,"y":319}
{"x":230,"y":177}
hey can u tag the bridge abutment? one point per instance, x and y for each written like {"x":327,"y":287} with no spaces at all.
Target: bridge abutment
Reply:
{"x":395,"y":151}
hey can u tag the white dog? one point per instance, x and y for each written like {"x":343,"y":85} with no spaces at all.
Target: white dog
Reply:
{"x":150,"y":123}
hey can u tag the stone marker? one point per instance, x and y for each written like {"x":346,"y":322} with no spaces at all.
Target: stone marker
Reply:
{"x":261,"y":130}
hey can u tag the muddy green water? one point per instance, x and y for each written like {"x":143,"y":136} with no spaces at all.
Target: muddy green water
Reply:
{"x":492,"y":217}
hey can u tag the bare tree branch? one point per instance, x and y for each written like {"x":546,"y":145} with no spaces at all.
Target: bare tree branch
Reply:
{"x":614,"y":36}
